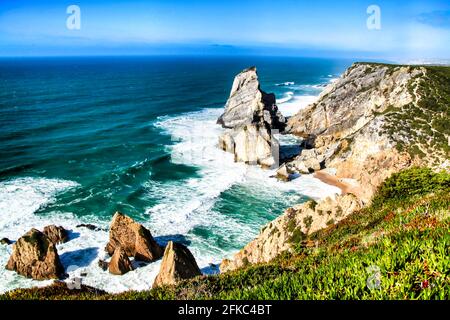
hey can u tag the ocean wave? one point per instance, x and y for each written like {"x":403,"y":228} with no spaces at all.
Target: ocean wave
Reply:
{"x":287,"y":97}
{"x":284,"y":84}
{"x":186,"y":208}
{"x":292,"y":106}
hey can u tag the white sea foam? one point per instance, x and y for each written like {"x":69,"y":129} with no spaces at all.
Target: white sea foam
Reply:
{"x":190,"y":204}
{"x":287,"y":96}
{"x":287,"y":83}
{"x":296,"y":103}
{"x":19,"y":201}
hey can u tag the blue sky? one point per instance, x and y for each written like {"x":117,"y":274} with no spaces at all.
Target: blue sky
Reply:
{"x":409,"y":30}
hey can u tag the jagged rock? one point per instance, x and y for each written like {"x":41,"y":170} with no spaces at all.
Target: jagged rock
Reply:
{"x":178,"y":263}
{"x":283,"y":173}
{"x":103,"y":265}
{"x":251,"y":115}
{"x":248,"y":104}
{"x":5,"y":241}
{"x":307,"y":162}
{"x":56,"y":234}
{"x":120,"y":264}
{"x":290,"y":228}
{"x":134,"y":239}
{"x":349,"y":128}
{"x":254,"y":145}
{"x":226,"y":142}
{"x":35,"y":256}
{"x":88,"y":226}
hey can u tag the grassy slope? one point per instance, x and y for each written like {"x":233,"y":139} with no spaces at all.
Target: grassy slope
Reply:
{"x":424,"y":123}
{"x":404,"y":233}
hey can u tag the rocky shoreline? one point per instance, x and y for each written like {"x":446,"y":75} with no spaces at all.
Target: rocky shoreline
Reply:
{"x":347,"y":142}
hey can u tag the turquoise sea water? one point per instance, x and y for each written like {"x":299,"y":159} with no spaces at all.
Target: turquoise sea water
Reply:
{"x":84,"y":137}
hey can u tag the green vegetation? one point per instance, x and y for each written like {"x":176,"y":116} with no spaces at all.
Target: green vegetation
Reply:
{"x":399,"y":246}
{"x":421,"y":127}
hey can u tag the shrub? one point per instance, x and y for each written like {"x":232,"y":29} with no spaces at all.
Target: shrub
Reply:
{"x":411,"y":182}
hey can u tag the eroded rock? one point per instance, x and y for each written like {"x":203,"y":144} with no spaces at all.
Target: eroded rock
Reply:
{"x":250,"y":116}
{"x":178,"y":264}
{"x":133,"y":238}
{"x":35,"y":256}
{"x":56,"y":234}
{"x":291,"y":228}
{"x":5,"y":241}
{"x":120,"y":264}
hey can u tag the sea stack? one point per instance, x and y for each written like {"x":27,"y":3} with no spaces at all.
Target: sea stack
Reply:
{"x":250,"y":117}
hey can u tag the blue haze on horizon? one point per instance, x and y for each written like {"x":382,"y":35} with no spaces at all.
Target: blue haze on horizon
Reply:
{"x":417,"y":30}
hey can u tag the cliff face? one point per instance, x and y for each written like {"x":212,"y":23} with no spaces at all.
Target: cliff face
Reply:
{"x":374,"y":121}
{"x":250,"y":115}
{"x":290,"y":228}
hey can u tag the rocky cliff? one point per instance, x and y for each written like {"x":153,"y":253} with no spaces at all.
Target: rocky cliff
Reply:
{"x":249,"y":117}
{"x":374,"y":121}
{"x":289,"y":229}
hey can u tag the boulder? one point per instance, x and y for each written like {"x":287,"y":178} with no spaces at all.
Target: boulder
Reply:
{"x":178,"y":263}
{"x":56,"y":234}
{"x":283,"y":174}
{"x":308,"y":161}
{"x":103,"y":265}
{"x":35,"y":256}
{"x":88,"y":226}
{"x":120,"y":264}
{"x":133,"y":238}
{"x":5,"y":241}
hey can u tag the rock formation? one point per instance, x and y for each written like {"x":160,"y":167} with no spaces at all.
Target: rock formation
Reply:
{"x":374,"y":121}
{"x":250,"y":116}
{"x":89,"y":226}
{"x":178,"y":264}
{"x":5,"y":241}
{"x":368,"y":124}
{"x":290,"y":229}
{"x":133,"y":238}
{"x":56,"y":234}
{"x":35,"y":256}
{"x":120,"y":264}
{"x":102,"y":264}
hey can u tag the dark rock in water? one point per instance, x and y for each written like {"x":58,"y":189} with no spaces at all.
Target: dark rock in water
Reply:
{"x":35,"y":256}
{"x":88,"y":226}
{"x":5,"y":241}
{"x":103,"y":265}
{"x":56,"y":234}
{"x":120,"y":264}
{"x":178,"y":263}
{"x":133,"y":238}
